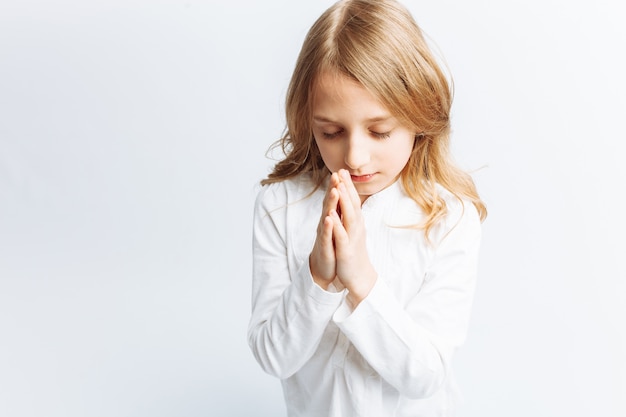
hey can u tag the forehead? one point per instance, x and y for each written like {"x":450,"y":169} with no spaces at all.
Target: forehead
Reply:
{"x":334,"y":84}
{"x":337,"y":93}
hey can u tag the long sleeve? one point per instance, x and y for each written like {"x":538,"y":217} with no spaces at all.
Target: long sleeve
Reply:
{"x":392,"y":355}
{"x":409,"y":339}
{"x":289,"y":311}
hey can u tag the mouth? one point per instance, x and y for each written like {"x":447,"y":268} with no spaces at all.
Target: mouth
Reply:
{"x":362,"y":178}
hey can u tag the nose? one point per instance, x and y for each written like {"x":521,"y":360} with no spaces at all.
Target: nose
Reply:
{"x":357,"y":153}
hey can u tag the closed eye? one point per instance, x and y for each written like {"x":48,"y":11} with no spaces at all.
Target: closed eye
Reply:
{"x":332,"y":135}
{"x":381,"y":135}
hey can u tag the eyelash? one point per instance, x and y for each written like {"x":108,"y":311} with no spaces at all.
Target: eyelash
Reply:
{"x":331,"y":135}
{"x":383,"y":135}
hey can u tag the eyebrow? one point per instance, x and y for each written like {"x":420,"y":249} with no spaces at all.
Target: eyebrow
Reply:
{"x":370,"y":120}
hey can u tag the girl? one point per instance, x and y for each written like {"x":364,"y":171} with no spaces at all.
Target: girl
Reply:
{"x":365,"y":235}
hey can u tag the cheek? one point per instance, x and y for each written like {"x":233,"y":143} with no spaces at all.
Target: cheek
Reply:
{"x":401,"y":155}
{"x":327,"y":152}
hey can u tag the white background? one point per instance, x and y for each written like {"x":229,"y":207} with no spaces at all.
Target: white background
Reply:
{"x":132,"y":140}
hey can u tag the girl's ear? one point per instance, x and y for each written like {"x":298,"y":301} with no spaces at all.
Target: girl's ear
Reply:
{"x":418,"y":137}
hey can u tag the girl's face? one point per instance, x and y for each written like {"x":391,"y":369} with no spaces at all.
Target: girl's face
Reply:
{"x":354,"y":131}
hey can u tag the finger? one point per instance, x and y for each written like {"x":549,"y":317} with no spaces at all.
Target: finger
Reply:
{"x":330,"y":203}
{"x":326,"y":241}
{"x":333,"y":201}
{"x":348,"y":211}
{"x":339,"y":233}
{"x":354,"y":194}
{"x":332,"y":185}
{"x":334,"y":179}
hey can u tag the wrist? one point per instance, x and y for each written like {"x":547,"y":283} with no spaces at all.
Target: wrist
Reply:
{"x":322,"y":283}
{"x":358,"y":293}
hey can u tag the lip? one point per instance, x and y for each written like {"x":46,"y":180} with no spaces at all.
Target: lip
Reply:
{"x":362,"y":178}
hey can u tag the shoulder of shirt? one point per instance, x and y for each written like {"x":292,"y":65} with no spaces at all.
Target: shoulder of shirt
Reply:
{"x":459,"y":210}
{"x":281,"y":193}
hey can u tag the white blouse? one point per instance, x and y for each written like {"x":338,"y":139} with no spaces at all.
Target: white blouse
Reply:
{"x":392,"y":355}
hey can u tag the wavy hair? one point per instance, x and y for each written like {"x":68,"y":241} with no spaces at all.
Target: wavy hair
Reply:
{"x":378,"y":44}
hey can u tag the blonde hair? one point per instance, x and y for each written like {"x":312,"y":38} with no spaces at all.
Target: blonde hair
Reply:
{"x":378,"y":44}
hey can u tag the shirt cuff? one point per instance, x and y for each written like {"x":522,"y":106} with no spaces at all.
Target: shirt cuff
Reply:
{"x":317,"y":293}
{"x":377,"y":297}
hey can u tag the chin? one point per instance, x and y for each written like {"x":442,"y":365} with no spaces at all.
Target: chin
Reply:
{"x":367,"y":190}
